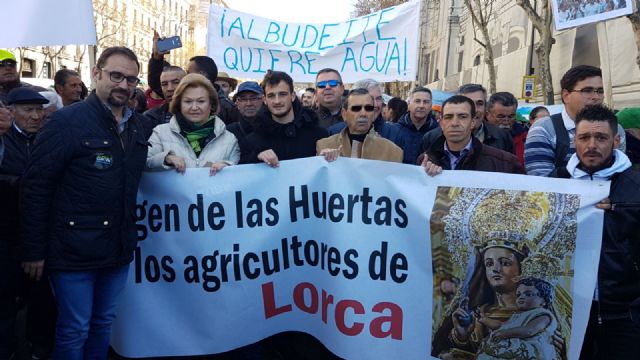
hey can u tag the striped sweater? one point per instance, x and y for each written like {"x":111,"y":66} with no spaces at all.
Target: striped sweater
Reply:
{"x":540,"y":147}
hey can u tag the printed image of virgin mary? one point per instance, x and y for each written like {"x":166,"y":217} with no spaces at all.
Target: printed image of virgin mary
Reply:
{"x":496,"y":245}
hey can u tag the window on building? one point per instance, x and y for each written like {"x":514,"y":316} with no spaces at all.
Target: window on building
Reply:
{"x":46,"y":69}
{"x":460,"y":58}
{"x":28,"y":67}
{"x":476,"y":60}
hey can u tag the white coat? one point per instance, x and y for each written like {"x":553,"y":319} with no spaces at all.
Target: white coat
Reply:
{"x":166,"y":139}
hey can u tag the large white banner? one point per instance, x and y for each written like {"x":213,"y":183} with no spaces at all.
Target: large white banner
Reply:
{"x":374,"y":259}
{"x":47,"y":23}
{"x":381,"y":45}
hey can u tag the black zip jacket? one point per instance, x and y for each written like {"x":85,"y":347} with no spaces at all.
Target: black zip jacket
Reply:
{"x":619,"y":268}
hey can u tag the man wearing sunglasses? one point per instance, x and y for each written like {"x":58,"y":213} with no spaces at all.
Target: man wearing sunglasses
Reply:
{"x":381,"y":126}
{"x":329,"y":90}
{"x":9,"y":77}
{"x":78,"y":197}
{"x":550,"y":141}
{"x":358,"y":139}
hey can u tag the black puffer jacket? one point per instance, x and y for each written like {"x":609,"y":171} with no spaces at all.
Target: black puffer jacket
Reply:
{"x":294,"y":140}
{"x":79,"y":190}
{"x":619,"y":268}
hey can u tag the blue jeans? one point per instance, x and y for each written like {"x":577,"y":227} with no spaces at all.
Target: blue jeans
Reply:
{"x":86,"y":309}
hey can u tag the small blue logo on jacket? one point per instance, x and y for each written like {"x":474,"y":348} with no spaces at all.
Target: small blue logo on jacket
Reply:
{"x":103,"y":160}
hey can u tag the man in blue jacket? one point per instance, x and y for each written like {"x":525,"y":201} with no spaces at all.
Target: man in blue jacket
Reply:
{"x":415,"y":123}
{"x":77,"y":205}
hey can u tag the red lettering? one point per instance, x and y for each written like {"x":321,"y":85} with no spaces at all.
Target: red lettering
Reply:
{"x":327,"y":299}
{"x":341,"y":309}
{"x":394,"y":320}
{"x":269,"y":301}
{"x":298,"y":297}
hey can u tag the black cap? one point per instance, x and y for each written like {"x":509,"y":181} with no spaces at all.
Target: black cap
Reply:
{"x":25,"y":95}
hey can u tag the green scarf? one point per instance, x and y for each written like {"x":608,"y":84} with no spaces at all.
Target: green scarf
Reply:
{"x":196,"y":135}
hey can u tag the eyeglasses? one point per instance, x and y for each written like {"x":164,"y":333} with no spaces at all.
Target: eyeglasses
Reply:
{"x":357,"y":108}
{"x":118,"y":77}
{"x":589,"y":91}
{"x":7,"y":63}
{"x":330,"y":83}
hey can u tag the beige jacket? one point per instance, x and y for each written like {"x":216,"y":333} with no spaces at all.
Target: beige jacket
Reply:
{"x":374,"y":147}
{"x":167,"y":140}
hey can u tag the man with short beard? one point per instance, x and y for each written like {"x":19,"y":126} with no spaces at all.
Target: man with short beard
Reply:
{"x":613,"y":331}
{"x":77,"y":200}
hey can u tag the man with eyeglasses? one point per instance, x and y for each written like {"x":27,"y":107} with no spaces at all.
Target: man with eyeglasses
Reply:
{"x":286,"y":130}
{"x":501,"y":113}
{"x":248,"y":100}
{"x":329,"y":90}
{"x":550,"y":141}
{"x":413,"y":125}
{"x":358,"y":139}
{"x":169,"y":80}
{"x":77,"y":203}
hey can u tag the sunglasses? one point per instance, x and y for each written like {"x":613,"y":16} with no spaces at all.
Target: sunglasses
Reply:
{"x":357,"y":108}
{"x":8,"y":63}
{"x":330,"y":83}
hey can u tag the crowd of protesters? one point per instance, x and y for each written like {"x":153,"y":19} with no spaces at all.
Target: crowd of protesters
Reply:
{"x":71,"y":161}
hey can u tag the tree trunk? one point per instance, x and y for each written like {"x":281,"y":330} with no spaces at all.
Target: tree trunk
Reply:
{"x":490,"y":61}
{"x":544,"y":63}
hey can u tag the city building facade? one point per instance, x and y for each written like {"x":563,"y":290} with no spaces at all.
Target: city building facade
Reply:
{"x":450,"y":56}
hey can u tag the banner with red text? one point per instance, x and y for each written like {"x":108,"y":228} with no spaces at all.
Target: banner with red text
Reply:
{"x":354,"y":253}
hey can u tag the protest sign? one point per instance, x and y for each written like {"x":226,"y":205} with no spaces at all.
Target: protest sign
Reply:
{"x":571,"y":13}
{"x":48,"y":23}
{"x":381,"y":45}
{"x":352,"y":252}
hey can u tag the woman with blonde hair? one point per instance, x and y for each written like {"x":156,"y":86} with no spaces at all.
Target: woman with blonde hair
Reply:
{"x":195,"y":136}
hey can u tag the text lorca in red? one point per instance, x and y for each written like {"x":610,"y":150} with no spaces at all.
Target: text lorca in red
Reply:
{"x":388,"y":324}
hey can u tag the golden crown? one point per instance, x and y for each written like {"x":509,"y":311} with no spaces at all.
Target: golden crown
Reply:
{"x":540,"y":226}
